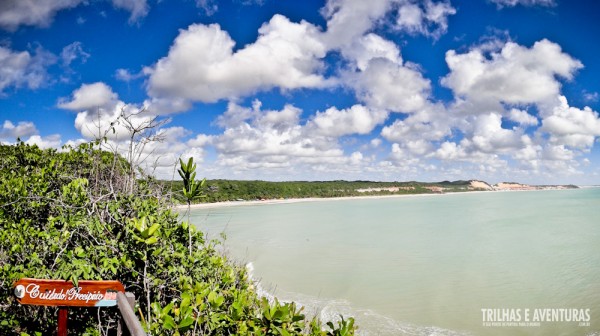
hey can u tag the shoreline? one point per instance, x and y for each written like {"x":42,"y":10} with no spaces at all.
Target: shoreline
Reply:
{"x":227,"y":204}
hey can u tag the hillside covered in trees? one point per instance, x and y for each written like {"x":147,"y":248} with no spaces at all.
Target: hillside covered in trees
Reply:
{"x":232,"y":190}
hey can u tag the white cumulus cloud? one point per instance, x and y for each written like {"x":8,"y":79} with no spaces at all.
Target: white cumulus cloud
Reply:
{"x":390,"y":86}
{"x":202,"y":66}
{"x":514,"y":74}
{"x":571,"y":126}
{"x":22,"y":129}
{"x":276,"y":143}
{"x":23,"y":69}
{"x":357,"y":119}
{"x":90,"y":96}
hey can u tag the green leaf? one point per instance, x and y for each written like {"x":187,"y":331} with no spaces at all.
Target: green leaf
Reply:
{"x":186,"y":298}
{"x":151,"y":240}
{"x":79,"y":252}
{"x":167,"y":309}
{"x":211,"y":297}
{"x":153,"y":229}
{"x":168,"y":322}
{"x":186,"y":322}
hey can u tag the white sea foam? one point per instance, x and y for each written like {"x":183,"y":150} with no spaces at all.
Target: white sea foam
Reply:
{"x":328,"y":309}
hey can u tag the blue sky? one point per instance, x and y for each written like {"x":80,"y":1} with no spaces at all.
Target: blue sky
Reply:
{"x":391,"y":90}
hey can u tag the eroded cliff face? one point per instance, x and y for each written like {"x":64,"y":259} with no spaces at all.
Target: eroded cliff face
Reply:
{"x":480,"y":185}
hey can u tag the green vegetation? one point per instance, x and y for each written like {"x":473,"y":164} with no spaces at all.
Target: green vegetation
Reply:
{"x":231,"y":190}
{"x":83,"y":214}
{"x":191,"y":190}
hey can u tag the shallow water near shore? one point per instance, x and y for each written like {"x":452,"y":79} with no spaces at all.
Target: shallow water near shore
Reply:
{"x":426,"y":265}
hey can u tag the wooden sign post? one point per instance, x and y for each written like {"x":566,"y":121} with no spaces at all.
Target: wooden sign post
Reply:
{"x":62,"y":294}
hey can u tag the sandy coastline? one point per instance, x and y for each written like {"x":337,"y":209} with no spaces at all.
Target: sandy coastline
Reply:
{"x":297,"y":200}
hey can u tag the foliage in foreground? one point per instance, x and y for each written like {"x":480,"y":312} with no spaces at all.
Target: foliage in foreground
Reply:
{"x":74,"y":215}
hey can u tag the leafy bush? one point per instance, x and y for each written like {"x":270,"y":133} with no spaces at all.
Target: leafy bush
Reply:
{"x":74,"y":215}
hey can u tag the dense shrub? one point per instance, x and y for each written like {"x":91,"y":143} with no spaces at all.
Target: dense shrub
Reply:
{"x":74,"y":215}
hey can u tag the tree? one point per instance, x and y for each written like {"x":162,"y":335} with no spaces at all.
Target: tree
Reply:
{"x":192,"y":189}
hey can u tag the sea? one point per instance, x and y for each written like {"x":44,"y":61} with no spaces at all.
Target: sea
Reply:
{"x":475,"y":263}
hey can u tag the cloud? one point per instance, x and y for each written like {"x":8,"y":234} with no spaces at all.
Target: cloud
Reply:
{"x":362,"y":50}
{"x":428,"y":18}
{"x":556,"y":147}
{"x":137,"y":8}
{"x":571,"y":126}
{"x":161,"y":157}
{"x":591,"y":97}
{"x":389,"y":86}
{"x":522,"y":117}
{"x":557,"y":153}
{"x":489,"y":137}
{"x":126,"y":76}
{"x":14,"y":13}
{"x":22,"y":69}
{"x":100,"y":112}
{"x":354,"y":120}
{"x":514,"y":74}
{"x":108,"y":122}
{"x":513,"y":3}
{"x":498,"y":82}
{"x":288,"y":56}
{"x":273,"y":139}
{"x":23,"y":129}
{"x":348,"y":20}
{"x":202,"y":66}
{"x":166,"y":106}
{"x":68,"y":56}
{"x":209,"y":7}
{"x":270,"y":133}
{"x":28,"y":133}
{"x":50,"y":141}
{"x":73,"y":52}
{"x":450,"y":151}
{"x":376,"y":142}
{"x":432,"y":123}
{"x":90,"y":96}
{"x":379,"y":77}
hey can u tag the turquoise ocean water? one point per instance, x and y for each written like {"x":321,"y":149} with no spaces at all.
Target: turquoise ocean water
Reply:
{"x":427,"y":265}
